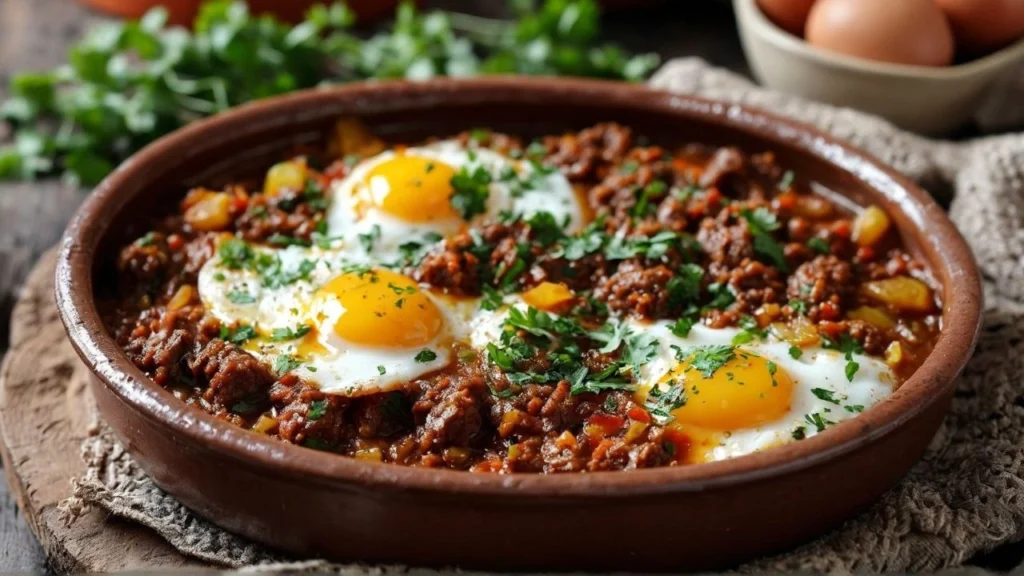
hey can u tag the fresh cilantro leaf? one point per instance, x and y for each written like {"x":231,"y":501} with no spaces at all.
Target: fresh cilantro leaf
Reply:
{"x":544,"y":229}
{"x":285,"y":334}
{"x":381,"y":369}
{"x":786,"y":182}
{"x":795,"y":352}
{"x":661,"y":402}
{"x":799,"y":433}
{"x":471,"y":189}
{"x":819,"y":245}
{"x":284,"y":364}
{"x":240,"y":297}
{"x":317,"y":409}
{"x":855,"y":408}
{"x":682,"y":326}
{"x":234,"y":253}
{"x":492,"y":299}
{"x":798,"y":306}
{"x":817,"y":421}
{"x":282,"y":240}
{"x":709,"y":359}
{"x":826,"y":395}
{"x":653,"y":191}
{"x":425,"y":355}
{"x":368,"y":239}
{"x":640,"y":348}
{"x":611,"y":334}
{"x":579,"y":383}
{"x":851,"y":369}
{"x":237,"y":335}
{"x":762,"y":223}
{"x":722,"y":296}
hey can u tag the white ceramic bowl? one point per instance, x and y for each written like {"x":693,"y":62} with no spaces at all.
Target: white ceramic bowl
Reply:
{"x":923,"y":99}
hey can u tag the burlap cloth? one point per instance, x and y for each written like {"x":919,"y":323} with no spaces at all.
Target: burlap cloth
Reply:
{"x":967,"y":494}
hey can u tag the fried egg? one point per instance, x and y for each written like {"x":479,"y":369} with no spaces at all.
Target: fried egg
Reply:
{"x":406,"y":195}
{"x":761,"y":395}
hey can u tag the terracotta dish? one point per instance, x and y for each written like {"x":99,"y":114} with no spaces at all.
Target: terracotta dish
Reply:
{"x":676,"y":518}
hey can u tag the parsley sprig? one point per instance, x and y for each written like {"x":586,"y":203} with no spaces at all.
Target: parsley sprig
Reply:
{"x":126,"y":84}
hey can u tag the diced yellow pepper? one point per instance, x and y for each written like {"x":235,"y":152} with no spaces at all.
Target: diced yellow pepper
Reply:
{"x":181,"y":298}
{"x":894,"y":354}
{"x":798,"y":332}
{"x":548,"y":296}
{"x":265,"y":424}
{"x":870,"y":226}
{"x":353,"y":138}
{"x":210,"y":213}
{"x":369,"y":454}
{"x":289,"y":175}
{"x":874,"y":316}
{"x":903,"y":293}
{"x":636,"y":429}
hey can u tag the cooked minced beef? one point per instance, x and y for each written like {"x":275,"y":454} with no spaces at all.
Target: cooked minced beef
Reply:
{"x":716,"y":236}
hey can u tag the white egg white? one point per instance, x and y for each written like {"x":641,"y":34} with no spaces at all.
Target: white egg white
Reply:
{"x":815,"y":370}
{"x":376,"y":236}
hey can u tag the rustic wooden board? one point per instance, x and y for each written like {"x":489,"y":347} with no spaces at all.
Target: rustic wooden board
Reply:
{"x":44,"y":416}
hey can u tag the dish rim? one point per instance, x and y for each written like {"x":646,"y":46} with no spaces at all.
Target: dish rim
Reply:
{"x":105,"y":359}
{"x":794,"y":45}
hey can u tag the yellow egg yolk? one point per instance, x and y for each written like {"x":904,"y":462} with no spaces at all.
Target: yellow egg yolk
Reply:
{"x":745,"y":391}
{"x":413,"y":188}
{"x":383,"y":309}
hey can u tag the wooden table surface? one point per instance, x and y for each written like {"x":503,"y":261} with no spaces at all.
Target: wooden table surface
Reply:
{"x":35,"y":34}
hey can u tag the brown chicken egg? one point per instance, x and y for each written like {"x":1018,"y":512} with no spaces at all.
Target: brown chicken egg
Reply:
{"x":790,"y":15}
{"x":912,"y":32}
{"x":982,"y":26}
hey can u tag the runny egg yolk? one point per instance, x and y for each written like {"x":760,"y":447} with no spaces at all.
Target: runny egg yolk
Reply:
{"x":381,"y":308}
{"x":744,"y":392}
{"x":413,"y":188}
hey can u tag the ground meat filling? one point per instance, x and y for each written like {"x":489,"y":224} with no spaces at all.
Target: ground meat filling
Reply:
{"x":716,"y":236}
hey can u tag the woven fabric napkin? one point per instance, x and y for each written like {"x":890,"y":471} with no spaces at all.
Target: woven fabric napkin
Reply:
{"x":965,"y":496}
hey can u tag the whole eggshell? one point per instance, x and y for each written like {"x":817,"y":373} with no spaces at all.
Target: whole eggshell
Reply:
{"x":984,"y":25}
{"x":913,"y":32}
{"x":790,"y":15}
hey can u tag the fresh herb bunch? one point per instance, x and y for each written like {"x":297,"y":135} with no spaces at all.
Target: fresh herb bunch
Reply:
{"x":127,"y":84}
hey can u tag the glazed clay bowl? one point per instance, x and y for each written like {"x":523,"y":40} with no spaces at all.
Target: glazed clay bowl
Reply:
{"x":317,"y":504}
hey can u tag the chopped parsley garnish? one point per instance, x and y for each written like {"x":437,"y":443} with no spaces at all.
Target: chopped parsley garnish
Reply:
{"x":284,"y":364}
{"x":413,"y":252}
{"x":282,"y":240}
{"x":819,"y":245}
{"x":722,"y":296}
{"x":855,"y":408}
{"x":795,"y":352}
{"x":817,"y":421}
{"x":368,"y":239}
{"x":787,"y":180}
{"x":590,"y":241}
{"x":751,"y":331}
{"x":826,"y":395}
{"x":234,"y":253}
{"x":651,"y":247}
{"x":381,"y":369}
{"x":798,"y":306}
{"x":219,"y":277}
{"x":605,"y":380}
{"x":629,"y":167}
{"x":479,"y":135}
{"x":684,"y":287}
{"x":237,"y":335}
{"x":799,"y":433}
{"x":772,"y":369}
{"x":275,"y":275}
{"x":425,"y":355}
{"x":400,"y":289}
{"x":240,"y":297}
{"x":471,"y":191}
{"x":644,"y":206}
{"x":544,"y":229}
{"x":709,"y":359}
{"x":762,"y":223}
{"x":848,"y":346}
{"x":660,"y":403}
{"x":682,"y":326}
{"x":147,"y":239}
{"x":492,"y":299}
{"x":285,"y":334}
{"x":317,"y":409}
{"x":313,"y":194}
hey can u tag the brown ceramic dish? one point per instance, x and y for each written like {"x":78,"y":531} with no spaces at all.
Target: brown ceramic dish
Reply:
{"x":678,"y":518}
